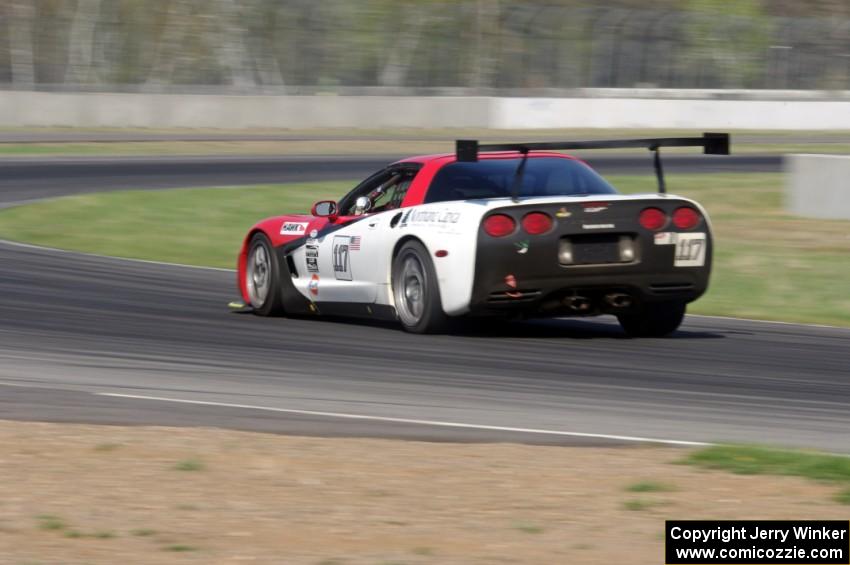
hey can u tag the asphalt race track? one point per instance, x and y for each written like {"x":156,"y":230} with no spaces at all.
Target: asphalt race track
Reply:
{"x":92,"y":339}
{"x":27,"y":179}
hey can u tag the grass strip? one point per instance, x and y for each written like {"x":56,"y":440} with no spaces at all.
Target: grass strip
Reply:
{"x":755,"y":460}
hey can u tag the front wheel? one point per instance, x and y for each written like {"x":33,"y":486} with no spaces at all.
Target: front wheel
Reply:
{"x":416,"y":291}
{"x":262,"y":277}
{"x":655,"y":319}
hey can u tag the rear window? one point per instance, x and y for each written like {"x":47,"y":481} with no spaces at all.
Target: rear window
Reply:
{"x":493,"y":178}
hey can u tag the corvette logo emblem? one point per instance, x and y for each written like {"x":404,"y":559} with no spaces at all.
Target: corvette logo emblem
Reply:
{"x":563,"y":213}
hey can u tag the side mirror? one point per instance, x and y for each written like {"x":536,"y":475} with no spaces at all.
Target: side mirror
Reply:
{"x":324,"y":209}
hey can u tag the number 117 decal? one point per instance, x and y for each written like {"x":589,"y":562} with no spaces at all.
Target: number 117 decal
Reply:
{"x":342,"y":259}
{"x":690,"y":250}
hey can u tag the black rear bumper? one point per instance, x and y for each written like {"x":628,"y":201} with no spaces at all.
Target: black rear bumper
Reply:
{"x":523,"y":274}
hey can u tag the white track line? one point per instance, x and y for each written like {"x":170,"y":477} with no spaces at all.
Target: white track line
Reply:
{"x":112,"y":257}
{"x":777,"y":322}
{"x":438,"y":423}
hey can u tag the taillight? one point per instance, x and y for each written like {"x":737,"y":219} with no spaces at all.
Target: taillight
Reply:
{"x":536,"y":223}
{"x":652,"y":219}
{"x":499,"y":225}
{"x":685,"y":218}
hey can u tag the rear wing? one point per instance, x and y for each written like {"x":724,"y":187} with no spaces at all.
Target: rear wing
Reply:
{"x":467,"y":150}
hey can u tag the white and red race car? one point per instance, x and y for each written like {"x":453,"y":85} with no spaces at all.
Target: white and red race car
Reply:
{"x":510,"y":230}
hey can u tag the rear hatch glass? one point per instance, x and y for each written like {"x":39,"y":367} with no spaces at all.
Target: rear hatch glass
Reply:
{"x":494,"y":178}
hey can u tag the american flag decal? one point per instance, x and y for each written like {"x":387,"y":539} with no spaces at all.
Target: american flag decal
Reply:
{"x":354,"y":243}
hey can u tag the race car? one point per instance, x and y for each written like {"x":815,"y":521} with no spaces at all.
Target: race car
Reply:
{"x":518,"y":230}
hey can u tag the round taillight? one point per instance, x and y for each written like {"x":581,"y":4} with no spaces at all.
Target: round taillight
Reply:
{"x":652,"y":219}
{"x":499,"y":225}
{"x":536,"y":223}
{"x":685,"y":218}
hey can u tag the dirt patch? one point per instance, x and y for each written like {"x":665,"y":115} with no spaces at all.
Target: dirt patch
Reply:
{"x":98,"y":494}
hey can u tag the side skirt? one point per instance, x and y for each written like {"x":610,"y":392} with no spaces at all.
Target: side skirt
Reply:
{"x":357,"y":310}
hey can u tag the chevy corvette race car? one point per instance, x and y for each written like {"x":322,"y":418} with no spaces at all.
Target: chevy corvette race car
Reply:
{"x":510,"y":230}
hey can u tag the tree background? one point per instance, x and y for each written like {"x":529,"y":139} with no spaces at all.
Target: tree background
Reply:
{"x":407,"y":46}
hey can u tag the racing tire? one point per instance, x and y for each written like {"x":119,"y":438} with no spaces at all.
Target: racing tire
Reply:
{"x":416,"y":291}
{"x":262,"y":277}
{"x":655,"y":319}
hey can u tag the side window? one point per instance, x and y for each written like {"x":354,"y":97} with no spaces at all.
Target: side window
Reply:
{"x":347,"y":204}
{"x":393,"y":192}
{"x":385,"y":191}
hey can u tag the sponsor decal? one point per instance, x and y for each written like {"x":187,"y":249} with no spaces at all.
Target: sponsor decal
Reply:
{"x":293,"y":228}
{"x":435,"y":216}
{"x":598,"y":226}
{"x":342,"y":258}
{"x":521,"y":247}
{"x":311,"y":251}
{"x":665,"y":238}
{"x":563,"y":213}
{"x":314,"y":234}
{"x":313,"y":285}
{"x":443,"y":217}
{"x":594,"y":207}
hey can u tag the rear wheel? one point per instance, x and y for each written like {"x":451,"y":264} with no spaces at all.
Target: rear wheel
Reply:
{"x":655,"y":319}
{"x":416,"y":291}
{"x":262,"y":277}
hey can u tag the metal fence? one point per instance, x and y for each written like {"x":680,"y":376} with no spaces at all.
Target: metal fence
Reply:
{"x":366,"y":46}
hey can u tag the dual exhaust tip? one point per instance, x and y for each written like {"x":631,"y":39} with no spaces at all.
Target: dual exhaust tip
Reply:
{"x":582,"y":304}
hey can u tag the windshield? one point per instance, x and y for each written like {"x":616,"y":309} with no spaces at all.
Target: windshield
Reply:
{"x":494,"y":178}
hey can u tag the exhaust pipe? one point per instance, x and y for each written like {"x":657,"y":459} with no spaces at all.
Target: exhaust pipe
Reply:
{"x":618,"y":300}
{"x":577,"y":303}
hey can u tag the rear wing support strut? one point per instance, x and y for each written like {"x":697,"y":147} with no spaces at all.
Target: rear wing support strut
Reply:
{"x":659,"y":170}
{"x":467,"y":150}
